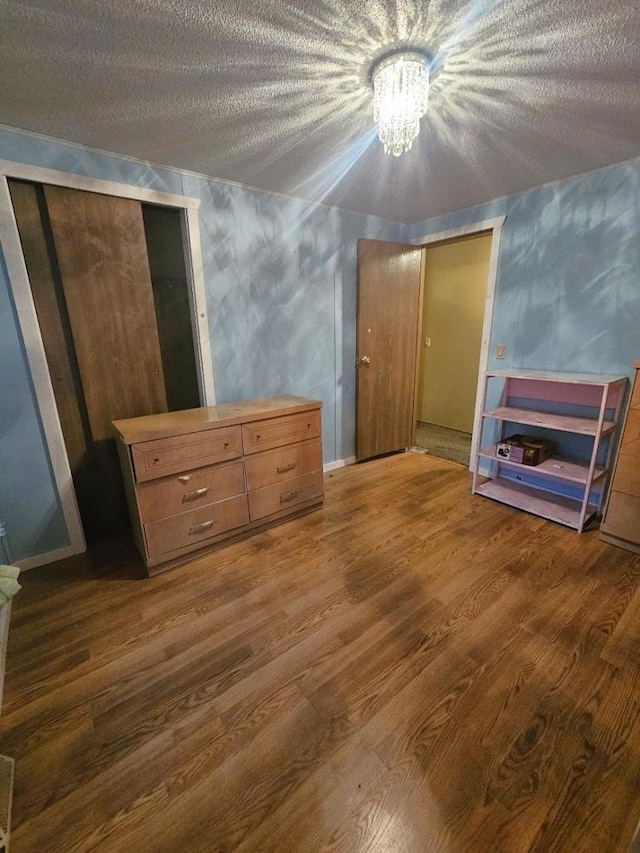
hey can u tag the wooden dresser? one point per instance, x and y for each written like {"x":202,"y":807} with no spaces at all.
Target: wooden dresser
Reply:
{"x":197,"y":478}
{"x":621,"y":522}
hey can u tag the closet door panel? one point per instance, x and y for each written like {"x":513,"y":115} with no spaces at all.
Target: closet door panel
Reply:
{"x":52,"y":315}
{"x":102,"y":256}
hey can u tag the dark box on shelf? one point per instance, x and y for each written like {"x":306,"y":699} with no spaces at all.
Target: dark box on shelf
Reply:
{"x":525,"y":449}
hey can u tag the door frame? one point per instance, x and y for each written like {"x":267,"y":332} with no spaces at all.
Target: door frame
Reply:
{"x":495,"y":227}
{"x":29,"y":328}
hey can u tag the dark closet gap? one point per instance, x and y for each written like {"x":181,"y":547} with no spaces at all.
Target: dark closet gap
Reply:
{"x":163,"y":231}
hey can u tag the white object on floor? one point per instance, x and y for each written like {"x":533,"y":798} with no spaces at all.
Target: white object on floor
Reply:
{"x":7,"y":766}
{"x":5,"y":616}
{"x":10,"y":586}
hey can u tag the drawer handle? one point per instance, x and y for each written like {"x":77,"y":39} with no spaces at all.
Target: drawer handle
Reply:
{"x":198,"y":528}
{"x":290,"y":496}
{"x":192,"y":496}
{"x":184,"y":478}
{"x":287,"y":466}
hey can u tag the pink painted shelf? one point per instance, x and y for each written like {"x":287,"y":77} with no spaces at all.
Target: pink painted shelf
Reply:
{"x":559,"y":376}
{"x":559,"y":467}
{"x":545,"y":504}
{"x":569,"y":491}
{"x":565,"y":423}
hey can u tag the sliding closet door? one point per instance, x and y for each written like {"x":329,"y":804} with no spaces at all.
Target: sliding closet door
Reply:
{"x":46,"y":289}
{"x":86,"y":257}
{"x":102,"y":255}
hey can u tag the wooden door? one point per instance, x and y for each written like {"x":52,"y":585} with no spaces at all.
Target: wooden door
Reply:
{"x":87,"y":262}
{"x":389,"y":296}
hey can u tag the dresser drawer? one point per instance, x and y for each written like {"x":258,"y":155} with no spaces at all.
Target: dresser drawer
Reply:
{"x":622,"y":518}
{"x":631,"y":436}
{"x":627,"y":479}
{"x":286,"y":495}
{"x":276,"y":432}
{"x":182,"y":492}
{"x":153,"y":459}
{"x":198,"y":525}
{"x":273,"y":466}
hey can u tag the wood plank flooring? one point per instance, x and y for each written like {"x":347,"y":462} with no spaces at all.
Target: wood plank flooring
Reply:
{"x":411,"y":668}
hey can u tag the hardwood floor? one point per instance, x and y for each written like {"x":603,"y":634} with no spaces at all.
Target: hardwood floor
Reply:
{"x":411,"y":668}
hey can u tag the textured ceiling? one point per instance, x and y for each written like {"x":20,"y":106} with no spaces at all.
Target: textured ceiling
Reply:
{"x":275,"y":94}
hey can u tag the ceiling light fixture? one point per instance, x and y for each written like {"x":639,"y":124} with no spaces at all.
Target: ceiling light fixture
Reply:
{"x":400,"y":94}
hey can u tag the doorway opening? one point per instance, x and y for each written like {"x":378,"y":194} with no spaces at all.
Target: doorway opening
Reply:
{"x":110,"y":288}
{"x":390,"y":339}
{"x":456,"y":273}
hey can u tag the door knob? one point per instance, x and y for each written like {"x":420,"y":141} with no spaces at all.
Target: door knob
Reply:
{"x":364,"y":360}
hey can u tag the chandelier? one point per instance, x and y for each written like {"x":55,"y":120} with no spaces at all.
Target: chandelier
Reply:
{"x":400,"y":93}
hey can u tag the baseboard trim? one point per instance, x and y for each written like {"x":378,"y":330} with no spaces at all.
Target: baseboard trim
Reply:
{"x":339,"y":463}
{"x":50,"y":557}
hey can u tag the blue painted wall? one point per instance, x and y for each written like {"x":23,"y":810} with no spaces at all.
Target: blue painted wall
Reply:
{"x":29,"y":503}
{"x":280,"y":276}
{"x":281,"y":296}
{"x":568,"y":286}
{"x":568,"y":283}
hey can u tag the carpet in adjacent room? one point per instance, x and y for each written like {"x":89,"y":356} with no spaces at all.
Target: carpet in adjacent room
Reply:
{"x":451,"y":444}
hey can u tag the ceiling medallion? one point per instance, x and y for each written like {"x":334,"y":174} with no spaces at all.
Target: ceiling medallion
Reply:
{"x":400,"y":94}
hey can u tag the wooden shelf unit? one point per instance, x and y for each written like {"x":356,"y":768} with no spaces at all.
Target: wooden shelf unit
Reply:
{"x":582,"y":404}
{"x":199,"y":478}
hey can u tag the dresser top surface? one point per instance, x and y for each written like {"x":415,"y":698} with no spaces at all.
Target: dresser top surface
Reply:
{"x":150,"y":427}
